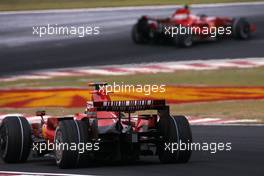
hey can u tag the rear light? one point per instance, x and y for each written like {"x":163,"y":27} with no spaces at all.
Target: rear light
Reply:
{"x":144,"y":17}
{"x":253,"y":28}
{"x":153,"y":25}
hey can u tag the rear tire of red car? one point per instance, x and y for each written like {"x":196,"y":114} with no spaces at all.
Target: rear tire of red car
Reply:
{"x":15,"y":139}
{"x":175,"y":130}
{"x":241,"y":28}
{"x":69,"y":132}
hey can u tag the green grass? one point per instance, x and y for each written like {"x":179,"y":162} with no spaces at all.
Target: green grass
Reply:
{"x":250,"y":109}
{"x":6,"y":5}
{"x":224,"y":77}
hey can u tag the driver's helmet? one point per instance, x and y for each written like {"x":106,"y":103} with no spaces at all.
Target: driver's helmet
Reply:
{"x":182,"y":13}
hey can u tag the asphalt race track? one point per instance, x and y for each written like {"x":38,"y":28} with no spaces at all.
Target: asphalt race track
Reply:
{"x":21,"y":51}
{"x":245,"y":158}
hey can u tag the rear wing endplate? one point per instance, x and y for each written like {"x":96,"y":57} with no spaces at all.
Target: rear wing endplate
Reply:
{"x":97,"y":85}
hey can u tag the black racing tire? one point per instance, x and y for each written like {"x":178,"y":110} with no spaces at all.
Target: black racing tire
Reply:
{"x":136,"y":36}
{"x":85,"y":136}
{"x":15,"y":139}
{"x":241,"y":28}
{"x":184,"y":41}
{"x":70,"y":132}
{"x":174,"y":130}
{"x":140,"y":31}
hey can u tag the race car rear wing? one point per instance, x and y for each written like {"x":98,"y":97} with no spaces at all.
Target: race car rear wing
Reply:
{"x":130,"y":105}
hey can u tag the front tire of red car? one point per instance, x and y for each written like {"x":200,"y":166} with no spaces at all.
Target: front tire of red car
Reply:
{"x":241,"y":29}
{"x":137,"y":37}
{"x":185,"y":41}
{"x":15,"y":139}
{"x":68,"y":133}
{"x":141,"y":31}
{"x":174,"y":130}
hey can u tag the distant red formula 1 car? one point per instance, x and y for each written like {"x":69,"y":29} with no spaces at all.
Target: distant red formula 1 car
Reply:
{"x":107,"y":131}
{"x":184,"y":29}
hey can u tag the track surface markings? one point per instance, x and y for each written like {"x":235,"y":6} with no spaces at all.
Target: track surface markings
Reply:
{"x":144,"y":68}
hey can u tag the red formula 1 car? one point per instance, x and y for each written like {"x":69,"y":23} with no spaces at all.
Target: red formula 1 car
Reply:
{"x":107,"y":131}
{"x":183,"y":28}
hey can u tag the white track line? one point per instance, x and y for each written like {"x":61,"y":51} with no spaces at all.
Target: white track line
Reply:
{"x":232,"y":124}
{"x":126,"y":69}
{"x":131,"y":8}
{"x":223,"y":122}
{"x":38,"y":173}
{"x":203,"y":120}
